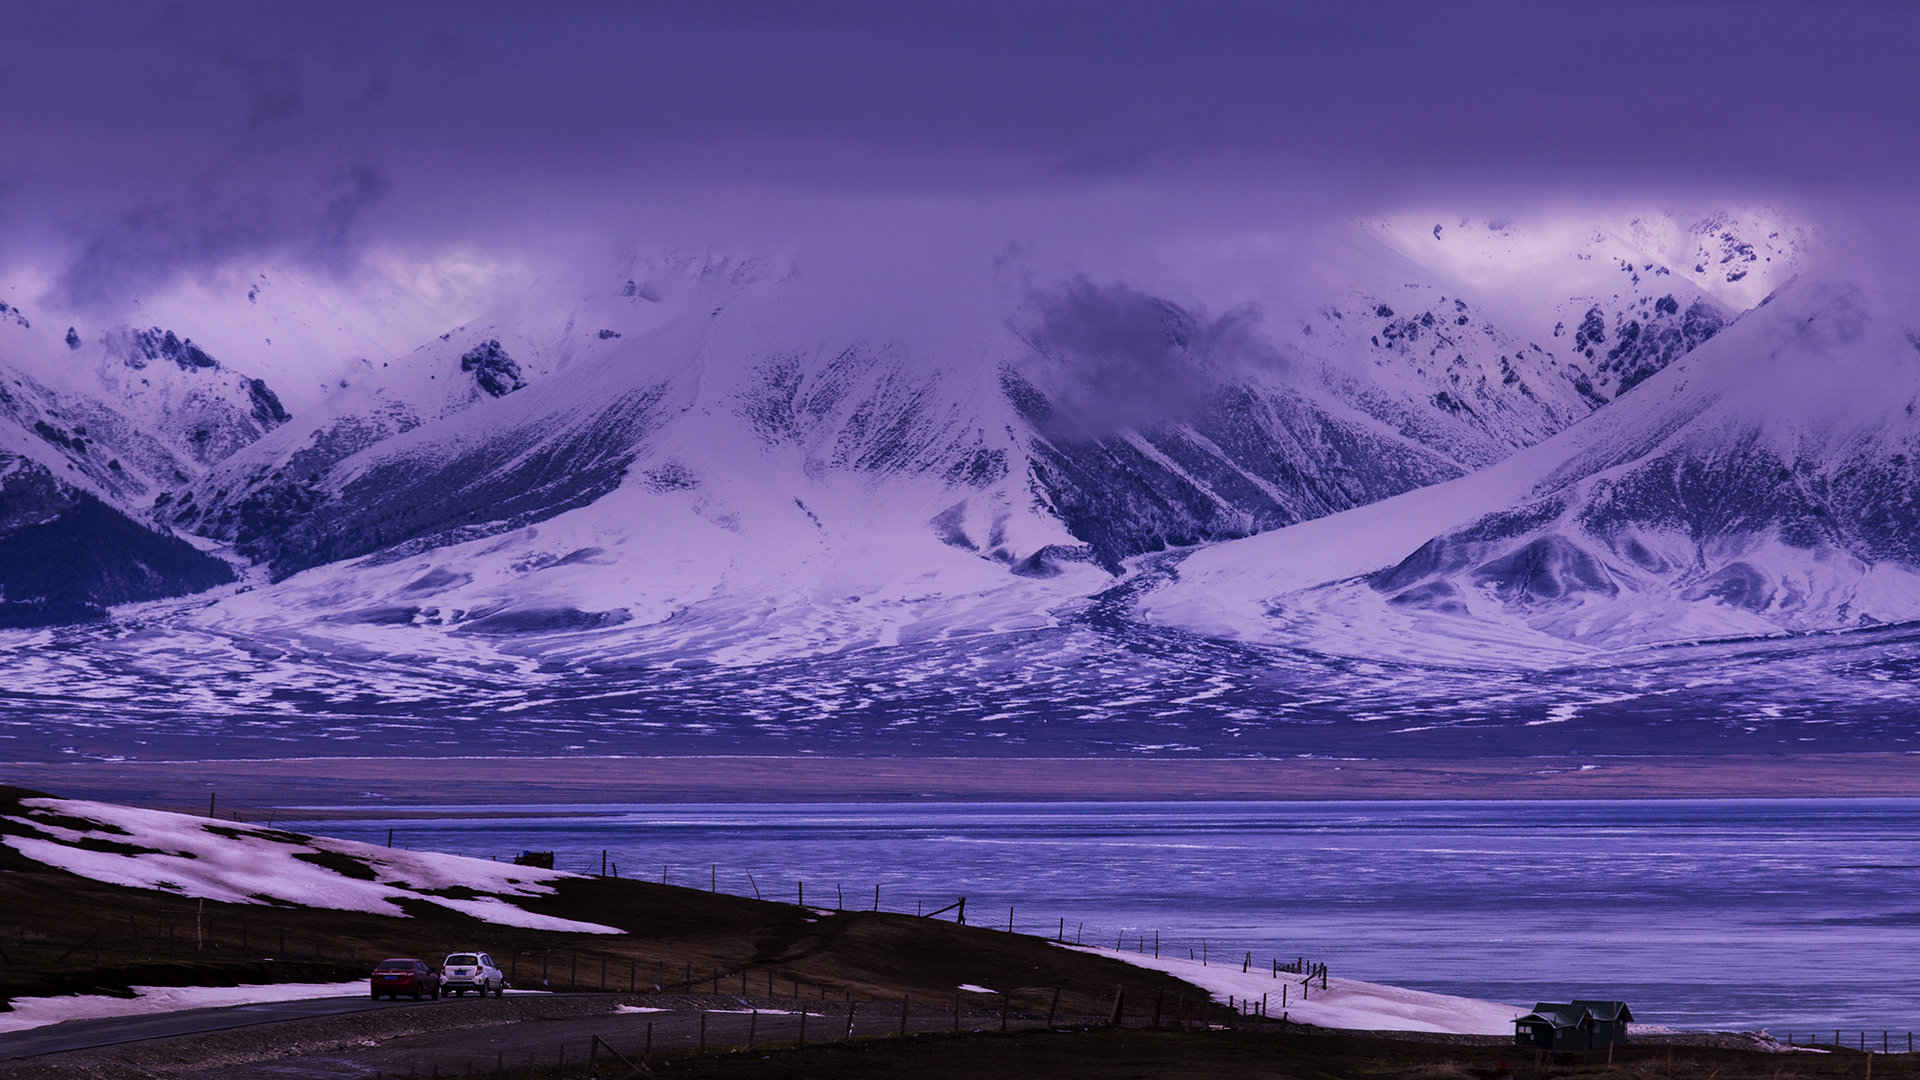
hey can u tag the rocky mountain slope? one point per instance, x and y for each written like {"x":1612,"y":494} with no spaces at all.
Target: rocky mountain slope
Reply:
{"x":1763,"y":483}
{"x":65,"y":555}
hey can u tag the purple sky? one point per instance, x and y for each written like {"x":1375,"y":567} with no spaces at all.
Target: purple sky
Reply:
{"x":142,"y":138}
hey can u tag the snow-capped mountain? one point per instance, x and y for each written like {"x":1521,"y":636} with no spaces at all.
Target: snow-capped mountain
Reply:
{"x":84,"y":454}
{"x":718,"y":504}
{"x":1626,"y":294}
{"x":1763,"y":483}
{"x":127,"y":412}
{"x":780,"y":422}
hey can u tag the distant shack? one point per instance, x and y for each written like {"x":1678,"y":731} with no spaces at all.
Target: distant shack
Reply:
{"x":1574,"y":1025}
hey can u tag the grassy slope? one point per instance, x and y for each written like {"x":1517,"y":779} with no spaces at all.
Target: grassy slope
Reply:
{"x":64,"y":934}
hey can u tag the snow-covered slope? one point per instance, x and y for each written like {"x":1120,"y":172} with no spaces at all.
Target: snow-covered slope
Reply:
{"x":128,"y":410}
{"x":86,"y":450}
{"x":698,"y":373}
{"x":1762,"y":484}
{"x":518,"y":341}
{"x":1615,"y":296}
{"x":1339,"y":1003}
{"x":246,"y":864}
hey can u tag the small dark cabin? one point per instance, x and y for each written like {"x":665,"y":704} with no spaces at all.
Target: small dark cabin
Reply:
{"x":1610,"y":1020}
{"x":1575,"y":1025}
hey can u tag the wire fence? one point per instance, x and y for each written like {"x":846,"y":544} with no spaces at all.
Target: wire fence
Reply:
{"x":799,"y":1023}
{"x":1137,"y":941}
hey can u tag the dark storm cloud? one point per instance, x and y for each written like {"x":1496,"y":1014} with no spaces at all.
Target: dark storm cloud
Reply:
{"x":311,"y":219}
{"x":210,"y":128}
{"x":1120,"y":358}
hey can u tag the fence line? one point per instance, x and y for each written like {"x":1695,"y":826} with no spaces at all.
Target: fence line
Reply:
{"x":1309,"y":973}
{"x":1890,"y":1042}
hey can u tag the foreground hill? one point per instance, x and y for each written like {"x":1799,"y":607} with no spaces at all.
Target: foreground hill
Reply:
{"x":98,"y":898}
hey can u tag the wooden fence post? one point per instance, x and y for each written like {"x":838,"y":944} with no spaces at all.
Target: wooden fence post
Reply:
{"x":1054,"y":1007}
{"x":1119,"y":1005}
{"x":905,"y":1001}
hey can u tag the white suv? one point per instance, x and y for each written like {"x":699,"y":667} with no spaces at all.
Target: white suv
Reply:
{"x":475,"y":971}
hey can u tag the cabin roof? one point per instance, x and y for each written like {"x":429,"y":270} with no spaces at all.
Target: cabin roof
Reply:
{"x":1574,"y":1013}
{"x":1559,"y":1014}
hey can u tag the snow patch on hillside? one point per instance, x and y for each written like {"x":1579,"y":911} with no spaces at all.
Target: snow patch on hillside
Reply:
{"x":249,"y":864}
{"x":1345,"y":1003}
{"x":33,"y":1012}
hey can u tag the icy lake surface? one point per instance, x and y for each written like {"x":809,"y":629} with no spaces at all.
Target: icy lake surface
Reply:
{"x":1729,"y":914}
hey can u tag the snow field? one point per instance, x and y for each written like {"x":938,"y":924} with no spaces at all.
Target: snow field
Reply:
{"x":40,"y":1011}
{"x":1345,"y":1003}
{"x":244,"y":864}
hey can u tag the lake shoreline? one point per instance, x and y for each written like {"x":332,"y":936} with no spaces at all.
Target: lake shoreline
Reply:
{"x":250,"y":784}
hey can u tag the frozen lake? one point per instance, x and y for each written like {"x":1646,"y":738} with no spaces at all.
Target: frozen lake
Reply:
{"x":1739,"y":914}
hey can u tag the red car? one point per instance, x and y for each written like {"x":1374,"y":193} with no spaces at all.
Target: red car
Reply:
{"x":391,"y":978}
